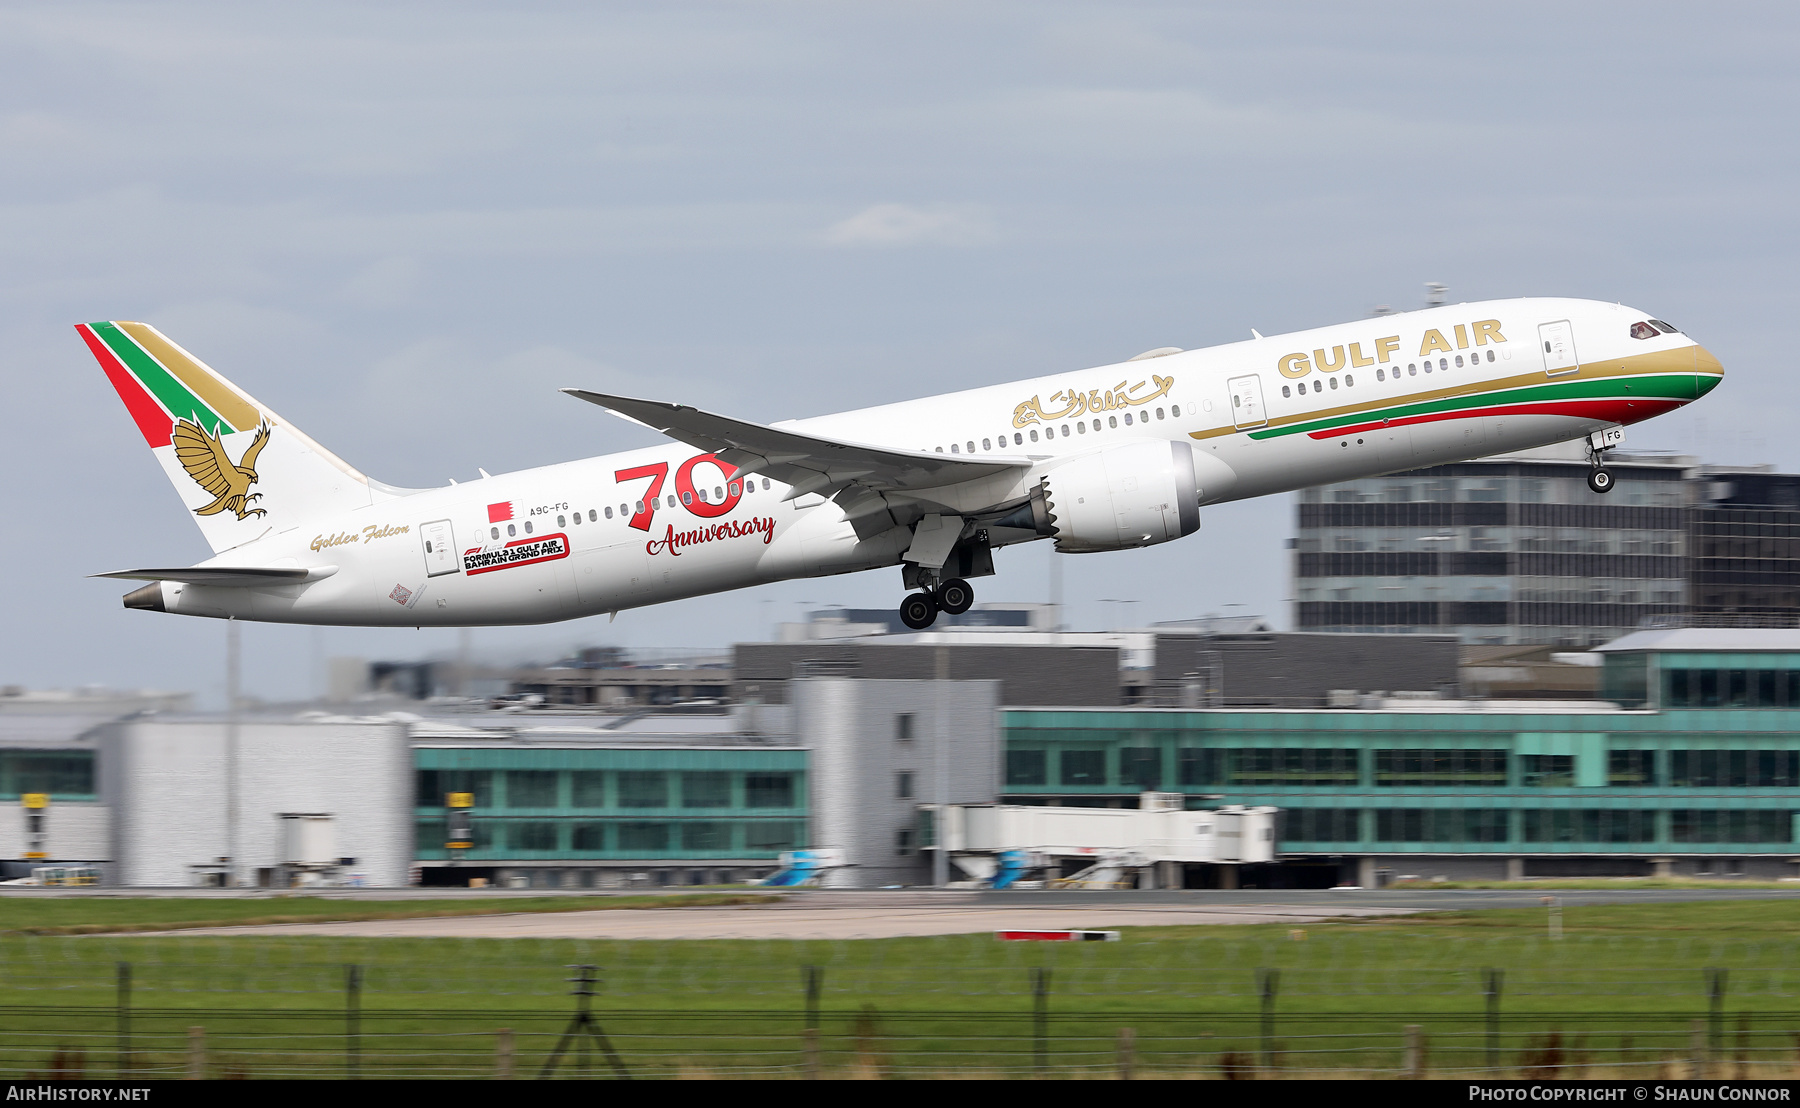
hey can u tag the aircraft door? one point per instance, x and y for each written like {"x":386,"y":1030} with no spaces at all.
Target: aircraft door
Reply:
{"x":440,"y":548}
{"x":1558,"y":341}
{"x":1247,"y":401}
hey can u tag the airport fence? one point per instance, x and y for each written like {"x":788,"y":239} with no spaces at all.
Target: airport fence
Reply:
{"x":206,"y":1044}
{"x":164,"y":1007}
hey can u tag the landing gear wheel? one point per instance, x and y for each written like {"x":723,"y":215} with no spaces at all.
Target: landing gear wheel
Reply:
{"x":954,"y":596}
{"x":1600,"y":480}
{"x":919,"y":611}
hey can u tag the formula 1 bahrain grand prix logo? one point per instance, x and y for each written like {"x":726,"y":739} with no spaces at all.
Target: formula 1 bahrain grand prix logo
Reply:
{"x":523,"y":552}
{"x":695,"y":499}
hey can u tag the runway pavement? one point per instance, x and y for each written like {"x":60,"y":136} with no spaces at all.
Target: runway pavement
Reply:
{"x":869,"y":914}
{"x":817,"y":916}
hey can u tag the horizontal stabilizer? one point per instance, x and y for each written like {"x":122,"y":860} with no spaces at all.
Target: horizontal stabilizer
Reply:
{"x":226,"y":576}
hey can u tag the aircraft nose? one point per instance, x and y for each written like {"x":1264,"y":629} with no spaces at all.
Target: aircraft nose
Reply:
{"x":1709,"y":370}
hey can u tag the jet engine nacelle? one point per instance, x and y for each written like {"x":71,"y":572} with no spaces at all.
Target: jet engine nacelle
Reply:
{"x":1122,"y":497}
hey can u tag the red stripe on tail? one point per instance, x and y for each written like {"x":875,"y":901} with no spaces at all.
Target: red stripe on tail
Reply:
{"x":152,"y":421}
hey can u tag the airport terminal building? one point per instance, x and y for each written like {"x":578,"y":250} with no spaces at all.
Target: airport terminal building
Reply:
{"x":1689,"y":766}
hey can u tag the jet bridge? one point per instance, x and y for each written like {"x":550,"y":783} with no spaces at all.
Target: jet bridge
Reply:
{"x":999,"y":845}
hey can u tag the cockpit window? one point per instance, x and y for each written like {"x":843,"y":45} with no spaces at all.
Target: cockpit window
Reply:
{"x":1664,"y":327}
{"x":1642,"y":330}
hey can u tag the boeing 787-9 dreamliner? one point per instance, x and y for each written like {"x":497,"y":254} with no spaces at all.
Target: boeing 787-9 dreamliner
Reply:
{"x":1109,"y":458}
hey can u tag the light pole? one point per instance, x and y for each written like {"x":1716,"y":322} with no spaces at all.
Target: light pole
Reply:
{"x":232,"y":660}
{"x":940,"y":772}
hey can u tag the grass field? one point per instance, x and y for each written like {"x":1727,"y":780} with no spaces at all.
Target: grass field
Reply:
{"x":1554,"y":883}
{"x":87,"y":914}
{"x":1623,"y":987}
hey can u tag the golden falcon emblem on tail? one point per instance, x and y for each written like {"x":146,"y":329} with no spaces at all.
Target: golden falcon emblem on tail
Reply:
{"x":204,"y":458}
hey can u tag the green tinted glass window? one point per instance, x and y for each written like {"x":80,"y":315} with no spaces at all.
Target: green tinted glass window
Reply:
{"x":1083,"y":767}
{"x":587,"y":788}
{"x":707,"y":789}
{"x":769,"y":790}
{"x":635,"y":836}
{"x":1026,"y":767}
{"x":643,"y":789}
{"x":706,"y":836}
{"x":531,"y":788}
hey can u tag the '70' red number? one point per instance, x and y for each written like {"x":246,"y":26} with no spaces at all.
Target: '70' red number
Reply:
{"x":646,"y":508}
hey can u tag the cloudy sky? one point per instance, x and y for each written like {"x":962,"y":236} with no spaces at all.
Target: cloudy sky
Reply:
{"x":405,"y":225}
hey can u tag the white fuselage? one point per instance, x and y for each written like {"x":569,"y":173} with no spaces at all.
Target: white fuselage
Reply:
{"x":583,"y":538}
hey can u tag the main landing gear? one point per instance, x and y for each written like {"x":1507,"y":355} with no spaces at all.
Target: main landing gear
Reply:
{"x":920,"y":609}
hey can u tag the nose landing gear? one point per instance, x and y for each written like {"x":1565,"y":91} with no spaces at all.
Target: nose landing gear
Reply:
{"x":920,"y":609}
{"x":1598,"y":443}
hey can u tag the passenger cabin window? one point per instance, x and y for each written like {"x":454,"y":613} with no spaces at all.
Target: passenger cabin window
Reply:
{"x":1285,"y":391}
{"x":1380,"y":375}
{"x":609,"y":513}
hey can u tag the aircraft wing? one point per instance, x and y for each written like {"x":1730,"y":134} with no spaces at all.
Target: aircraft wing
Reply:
{"x":808,"y":463}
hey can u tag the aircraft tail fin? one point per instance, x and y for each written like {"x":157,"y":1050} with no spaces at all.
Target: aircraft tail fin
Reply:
{"x":239,"y":468}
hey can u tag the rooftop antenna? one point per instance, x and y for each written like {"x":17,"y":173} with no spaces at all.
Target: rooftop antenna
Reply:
{"x":1435,"y":294}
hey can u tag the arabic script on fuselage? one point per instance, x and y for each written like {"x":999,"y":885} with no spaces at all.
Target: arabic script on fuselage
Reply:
{"x":1069,"y":403}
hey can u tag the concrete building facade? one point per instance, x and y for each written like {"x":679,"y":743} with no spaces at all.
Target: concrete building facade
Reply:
{"x":874,"y":748}
{"x":166,"y":783}
{"x":1516,"y":550}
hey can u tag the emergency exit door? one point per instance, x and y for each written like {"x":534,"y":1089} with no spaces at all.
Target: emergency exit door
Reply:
{"x":440,"y":548}
{"x":1558,"y":343}
{"x":1247,"y":401}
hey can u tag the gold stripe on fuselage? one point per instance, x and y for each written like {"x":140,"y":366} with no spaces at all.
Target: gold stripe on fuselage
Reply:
{"x":1687,"y":359}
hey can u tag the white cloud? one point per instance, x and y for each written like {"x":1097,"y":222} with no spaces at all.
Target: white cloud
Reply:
{"x":908,"y":225}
